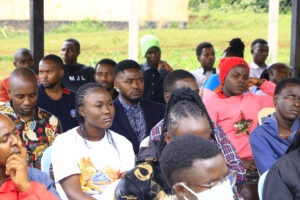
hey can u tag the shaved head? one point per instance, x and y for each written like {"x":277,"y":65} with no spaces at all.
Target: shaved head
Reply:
{"x":20,"y":52}
{"x":22,"y":74}
{"x":23,"y":58}
{"x":5,"y":122}
{"x":23,"y":89}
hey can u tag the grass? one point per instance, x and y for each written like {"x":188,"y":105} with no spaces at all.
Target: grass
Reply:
{"x":178,"y":45}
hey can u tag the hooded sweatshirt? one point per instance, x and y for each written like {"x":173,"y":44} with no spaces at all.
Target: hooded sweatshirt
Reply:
{"x":266,"y":144}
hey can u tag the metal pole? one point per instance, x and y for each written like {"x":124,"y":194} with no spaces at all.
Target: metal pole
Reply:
{"x":295,"y":38}
{"x":273,"y":29}
{"x":133,"y":36}
{"x":37,"y":30}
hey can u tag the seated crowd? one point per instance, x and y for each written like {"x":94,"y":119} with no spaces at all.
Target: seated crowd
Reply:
{"x":124,"y":130}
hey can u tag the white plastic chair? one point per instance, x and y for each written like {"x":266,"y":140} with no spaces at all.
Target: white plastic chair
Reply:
{"x":264,"y":112}
{"x":46,"y":161}
{"x":261,"y":182}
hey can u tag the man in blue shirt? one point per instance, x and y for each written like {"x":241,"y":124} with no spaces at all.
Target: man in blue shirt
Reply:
{"x":54,"y":97}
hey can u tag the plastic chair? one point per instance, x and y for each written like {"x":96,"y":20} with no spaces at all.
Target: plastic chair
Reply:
{"x":261,"y":184}
{"x":46,"y":161}
{"x":264,"y":112}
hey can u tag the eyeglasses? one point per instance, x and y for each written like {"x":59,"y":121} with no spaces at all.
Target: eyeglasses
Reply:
{"x":231,"y":177}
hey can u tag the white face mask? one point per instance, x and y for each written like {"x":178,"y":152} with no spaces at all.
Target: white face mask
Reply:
{"x":221,"y":191}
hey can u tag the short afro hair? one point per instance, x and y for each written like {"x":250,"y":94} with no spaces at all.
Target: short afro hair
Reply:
{"x":258,"y":41}
{"x":75,"y":42}
{"x":106,"y":61}
{"x":277,"y":65}
{"x":265,"y":73}
{"x":174,"y":76}
{"x":282,"y":84}
{"x":201,"y":46}
{"x":56,"y":59}
{"x":22,"y":51}
{"x":126,"y":64}
{"x":182,"y":152}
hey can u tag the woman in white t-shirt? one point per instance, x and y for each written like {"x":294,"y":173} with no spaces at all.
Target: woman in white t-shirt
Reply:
{"x":89,"y":159}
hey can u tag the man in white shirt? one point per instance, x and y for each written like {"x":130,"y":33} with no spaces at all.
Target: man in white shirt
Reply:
{"x":206,"y":56}
{"x":259,"y":51}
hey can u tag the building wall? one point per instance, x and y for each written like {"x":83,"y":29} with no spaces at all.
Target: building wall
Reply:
{"x":104,"y":10}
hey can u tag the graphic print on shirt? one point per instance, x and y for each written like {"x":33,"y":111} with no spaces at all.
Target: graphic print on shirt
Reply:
{"x":243,"y":125}
{"x":93,"y":180}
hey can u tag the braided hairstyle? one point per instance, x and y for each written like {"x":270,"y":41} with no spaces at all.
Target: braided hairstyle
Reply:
{"x":79,"y":98}
{"x":186,"y":102}
{"x":188,"y":95}
{"x":181,"y":110}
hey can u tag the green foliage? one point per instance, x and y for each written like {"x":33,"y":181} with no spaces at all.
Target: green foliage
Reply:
{"x":194,"y":5}
{"x":86,"y":25}
{"x":258,"y":6}
{"x":178,"y":45}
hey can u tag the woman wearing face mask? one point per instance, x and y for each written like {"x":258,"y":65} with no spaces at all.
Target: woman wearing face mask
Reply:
{"x":196,"y":169}
{"x":89,"y":159}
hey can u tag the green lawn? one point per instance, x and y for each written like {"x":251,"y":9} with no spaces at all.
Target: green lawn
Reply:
{"x":178,"y":45}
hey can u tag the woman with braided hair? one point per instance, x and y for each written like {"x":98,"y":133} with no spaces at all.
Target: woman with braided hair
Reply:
{"x":188,"y":116}
{"x":88,"y":159}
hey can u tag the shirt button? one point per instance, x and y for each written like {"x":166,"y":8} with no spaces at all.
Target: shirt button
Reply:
{"x":153,"y":83}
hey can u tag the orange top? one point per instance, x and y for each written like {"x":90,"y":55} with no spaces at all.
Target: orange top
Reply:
{"x":4,"y":96}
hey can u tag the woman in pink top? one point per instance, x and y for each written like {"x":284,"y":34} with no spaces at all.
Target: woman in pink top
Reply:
{"x":234,"y":108}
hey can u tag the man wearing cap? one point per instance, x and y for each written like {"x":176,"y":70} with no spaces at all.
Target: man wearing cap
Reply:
{"x":154,"y":69}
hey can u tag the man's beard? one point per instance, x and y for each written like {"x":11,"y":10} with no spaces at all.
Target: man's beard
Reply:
{"x":132,"y":101}
{"x":51,"y":85}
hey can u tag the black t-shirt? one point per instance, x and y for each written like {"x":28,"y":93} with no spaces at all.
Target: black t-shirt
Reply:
{"x":77,"y":75}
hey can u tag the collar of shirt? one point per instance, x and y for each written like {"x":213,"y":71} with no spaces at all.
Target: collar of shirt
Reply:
{"x":202,"y":71}
{"x":128,"y":106}
{"x":9,"y":109}
{"x":253,"y":65}
{"x":146,"y":66}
